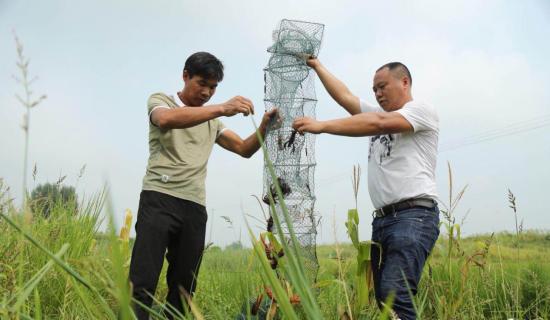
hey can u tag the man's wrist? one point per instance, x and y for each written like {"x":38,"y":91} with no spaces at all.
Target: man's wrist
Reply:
{"x":324,"y":126}
{"x":262,"y":128}
{"x":218,"y":110}
{"x":316,"y":67}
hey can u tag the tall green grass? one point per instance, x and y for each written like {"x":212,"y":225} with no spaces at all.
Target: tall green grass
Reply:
{"x":33,"y":285}
{"x":62,"y":267}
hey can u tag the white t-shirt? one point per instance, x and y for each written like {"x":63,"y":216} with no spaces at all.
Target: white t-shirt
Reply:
{"x":402,"y":165}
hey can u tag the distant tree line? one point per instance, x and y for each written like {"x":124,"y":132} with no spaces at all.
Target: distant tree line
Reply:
{"x":46,"y":197}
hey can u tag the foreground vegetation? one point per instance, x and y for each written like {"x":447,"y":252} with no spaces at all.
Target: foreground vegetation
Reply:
{"x":59,"y":267}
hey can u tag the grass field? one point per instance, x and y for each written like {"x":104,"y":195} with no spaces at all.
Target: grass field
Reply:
{"x":60,"y":267}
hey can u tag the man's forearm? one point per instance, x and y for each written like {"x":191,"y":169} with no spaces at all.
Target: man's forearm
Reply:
{"x":360,"y":125}
{"x":252,"y":143}
{"x":186,"y":117}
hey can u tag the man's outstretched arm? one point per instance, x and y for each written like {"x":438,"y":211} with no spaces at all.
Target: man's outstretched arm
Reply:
{"x":359,"y":125}
{"x":186,"y":117}
{"x":231,"y":141}
{"x":336,"y":88}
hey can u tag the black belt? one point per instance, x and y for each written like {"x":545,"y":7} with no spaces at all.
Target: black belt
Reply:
{"x":392,"y":209}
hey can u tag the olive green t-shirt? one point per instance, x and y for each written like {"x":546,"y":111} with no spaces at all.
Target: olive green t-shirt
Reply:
{"x":178,"y":157}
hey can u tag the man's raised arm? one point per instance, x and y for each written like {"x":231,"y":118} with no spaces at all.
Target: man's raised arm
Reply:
{"x":336,"y":88}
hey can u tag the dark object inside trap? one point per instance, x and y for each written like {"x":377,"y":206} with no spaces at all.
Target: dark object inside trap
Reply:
{"x":285,"y":190}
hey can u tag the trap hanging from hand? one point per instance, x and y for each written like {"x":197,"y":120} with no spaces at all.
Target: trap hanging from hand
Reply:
{"x":290,"y":87}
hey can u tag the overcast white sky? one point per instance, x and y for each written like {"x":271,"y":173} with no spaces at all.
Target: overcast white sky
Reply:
{"x":483,"y":64}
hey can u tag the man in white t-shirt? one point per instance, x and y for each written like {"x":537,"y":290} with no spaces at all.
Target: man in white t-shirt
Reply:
{"x":401,"y":175}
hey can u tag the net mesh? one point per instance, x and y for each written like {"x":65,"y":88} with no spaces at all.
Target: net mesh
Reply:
{"x":290,"y":86}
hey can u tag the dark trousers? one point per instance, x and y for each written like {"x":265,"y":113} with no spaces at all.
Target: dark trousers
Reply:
{"x":171,"y":226}
{"x":406,"y":240}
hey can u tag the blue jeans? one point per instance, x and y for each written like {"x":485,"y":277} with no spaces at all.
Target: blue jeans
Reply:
{"x":406,"y":240}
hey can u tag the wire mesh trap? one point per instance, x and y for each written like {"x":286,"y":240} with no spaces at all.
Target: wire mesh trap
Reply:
{"x":289,"y":86}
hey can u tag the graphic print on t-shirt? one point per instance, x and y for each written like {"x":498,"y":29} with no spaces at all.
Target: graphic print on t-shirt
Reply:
{"x":381,"y":147}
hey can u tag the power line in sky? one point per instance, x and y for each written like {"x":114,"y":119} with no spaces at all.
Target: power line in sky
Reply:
{"x":513,"y":128}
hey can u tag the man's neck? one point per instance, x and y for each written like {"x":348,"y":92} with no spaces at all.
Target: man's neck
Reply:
{"x":181,"y":98}
{"x":406,"y":100}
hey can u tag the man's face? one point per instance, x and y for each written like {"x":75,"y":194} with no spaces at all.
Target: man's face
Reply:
{"x":198,"y":90}
{"x":390,"y":91}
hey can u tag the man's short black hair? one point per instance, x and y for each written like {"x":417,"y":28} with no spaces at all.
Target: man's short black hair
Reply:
{"x":205,"y":65}
{"x":399,"y":69}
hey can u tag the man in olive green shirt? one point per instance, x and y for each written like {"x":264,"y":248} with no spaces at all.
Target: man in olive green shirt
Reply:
{"x":172,"y":214}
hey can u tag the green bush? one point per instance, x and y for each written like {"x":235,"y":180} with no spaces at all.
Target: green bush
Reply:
{"x":45,"y":197}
